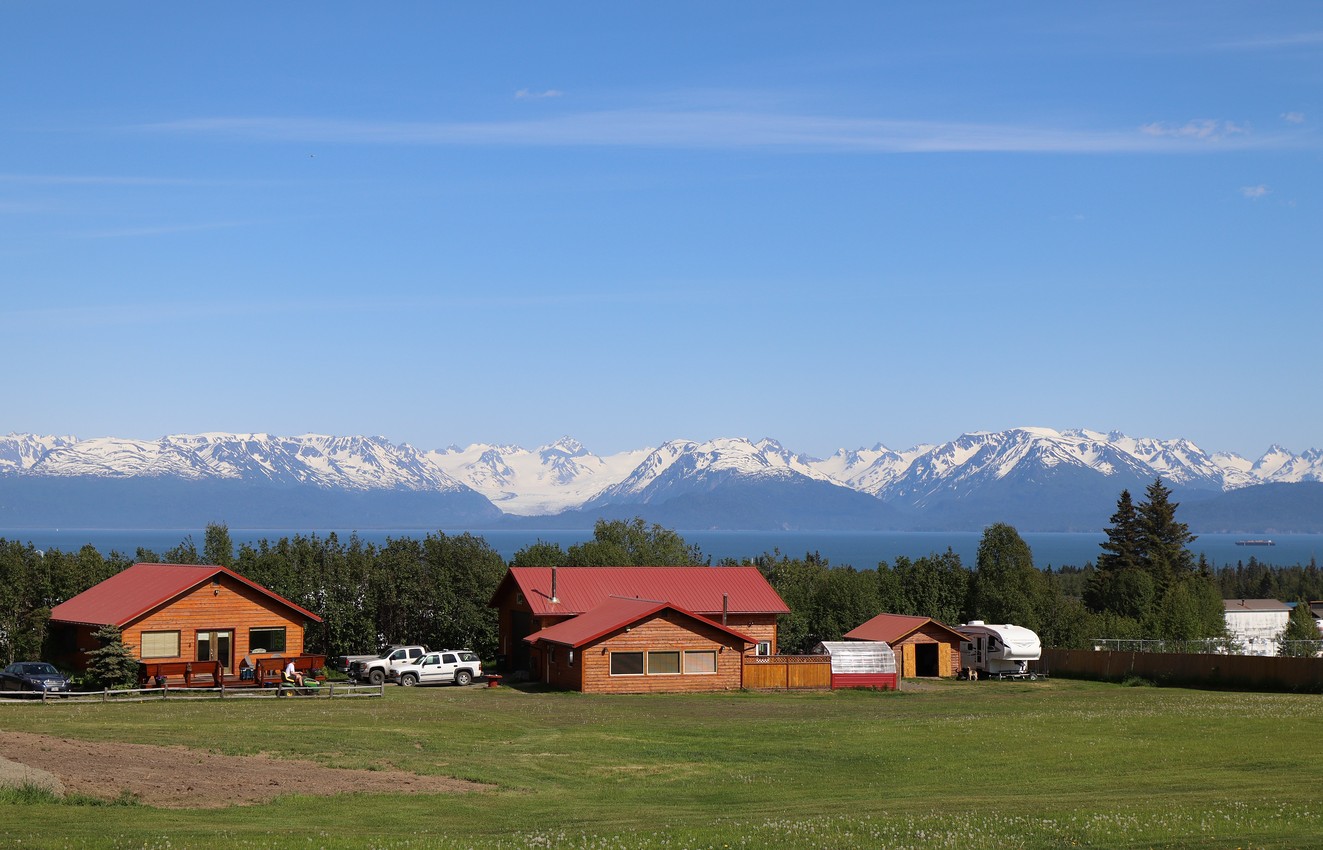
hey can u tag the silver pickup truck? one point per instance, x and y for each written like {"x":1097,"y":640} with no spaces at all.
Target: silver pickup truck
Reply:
{"x":377,"y":669}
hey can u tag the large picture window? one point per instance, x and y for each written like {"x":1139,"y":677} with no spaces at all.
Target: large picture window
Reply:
{"x":160,"y":644}
{"x":626,"y":664}
{"x":266,"y":639}
{"x":663,"y":663}
{"x":700,"y":661}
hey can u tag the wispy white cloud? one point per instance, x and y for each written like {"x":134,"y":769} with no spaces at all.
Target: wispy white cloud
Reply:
{"x":1198,"y":128}
{"x":1255,"y":192}
{"x":527,"y":94}
{"x":725,"y":129}
{"x":1293,"y":117}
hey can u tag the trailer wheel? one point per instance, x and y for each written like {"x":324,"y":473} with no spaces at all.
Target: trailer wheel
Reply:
{"x":1033,"y":677}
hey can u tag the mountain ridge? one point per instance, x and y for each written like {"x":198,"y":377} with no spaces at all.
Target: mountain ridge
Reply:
{"x":1037,"y":477}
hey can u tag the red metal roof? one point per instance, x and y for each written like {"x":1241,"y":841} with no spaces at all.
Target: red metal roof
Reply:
{"x":124,"y":597}
{"x":612,"y":615}
{"x":698,"y":589}
{"x":893,"y":628}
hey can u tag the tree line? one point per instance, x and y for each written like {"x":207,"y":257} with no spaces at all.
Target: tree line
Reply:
{"x":435,"y":590}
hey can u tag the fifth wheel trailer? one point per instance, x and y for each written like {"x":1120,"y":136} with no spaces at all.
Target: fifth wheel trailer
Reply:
{"x":999,"y":651}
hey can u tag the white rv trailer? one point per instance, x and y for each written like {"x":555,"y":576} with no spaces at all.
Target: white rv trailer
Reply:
{"x":998,"y":651}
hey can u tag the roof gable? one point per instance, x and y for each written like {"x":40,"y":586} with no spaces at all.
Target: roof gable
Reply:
{"x":698,"y":589}
{"x":129,"y":594}
{"x":614,"y":614}
{"x":893,"y":628}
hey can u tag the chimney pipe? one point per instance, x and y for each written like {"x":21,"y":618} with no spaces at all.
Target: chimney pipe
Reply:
{"x":553,"y":586}
{"x":725,"y":607}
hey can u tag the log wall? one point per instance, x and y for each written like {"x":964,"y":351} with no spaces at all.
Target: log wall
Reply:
{"x":226,"y":605}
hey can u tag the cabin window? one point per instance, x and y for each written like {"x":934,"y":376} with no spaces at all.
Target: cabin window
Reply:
{"x":626,"y":664}
{"x":266,"y":640}
{"x":700,"y":661}
{"x":571,"y":657}
{"x":160,"y":644}
{"x":663,"y":663}
{"x":764,"y":647}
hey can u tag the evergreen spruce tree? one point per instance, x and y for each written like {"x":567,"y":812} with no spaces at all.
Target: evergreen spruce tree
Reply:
{"x":1301,"y":638}
{"x":1163,"y":551}
{"x":1122,"y":553}
{"x":1123,"y":547}
{"x":112,"y":664}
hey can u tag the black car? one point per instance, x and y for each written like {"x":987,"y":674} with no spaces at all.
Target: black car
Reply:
{"x":33,"y":677}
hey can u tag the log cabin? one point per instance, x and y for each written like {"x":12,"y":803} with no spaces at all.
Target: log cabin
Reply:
{"x":633,"y":629}
{"x":180,"y":613}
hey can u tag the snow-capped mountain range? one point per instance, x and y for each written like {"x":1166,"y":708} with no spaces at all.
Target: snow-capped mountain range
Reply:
{"x":565,"y":475}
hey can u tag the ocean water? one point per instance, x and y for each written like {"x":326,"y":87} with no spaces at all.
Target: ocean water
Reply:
{"x":862,"y":549}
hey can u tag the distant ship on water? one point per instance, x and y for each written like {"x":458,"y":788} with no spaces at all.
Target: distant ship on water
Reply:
{"x":1255,"y":543}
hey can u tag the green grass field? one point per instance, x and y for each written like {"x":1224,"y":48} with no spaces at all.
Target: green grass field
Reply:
{"x":995,"y":764}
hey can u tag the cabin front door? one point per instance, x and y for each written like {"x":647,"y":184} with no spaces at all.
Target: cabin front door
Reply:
{"x":216,"y":646}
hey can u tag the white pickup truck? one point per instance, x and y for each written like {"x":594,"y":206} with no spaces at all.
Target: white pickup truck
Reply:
{"x":377,"y":670}
{"x":460,"y":666}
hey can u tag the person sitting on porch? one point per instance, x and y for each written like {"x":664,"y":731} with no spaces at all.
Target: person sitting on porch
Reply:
{"x":292,"y":675}
{"x":245,"y":669}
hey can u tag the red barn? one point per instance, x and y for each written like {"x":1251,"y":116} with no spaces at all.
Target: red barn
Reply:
{"x":923,"y":646}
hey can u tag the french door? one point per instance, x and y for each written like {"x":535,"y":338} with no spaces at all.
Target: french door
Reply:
{"x":216,"y":646}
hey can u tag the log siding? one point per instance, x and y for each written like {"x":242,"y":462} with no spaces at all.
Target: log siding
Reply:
{"x":217,"y":606}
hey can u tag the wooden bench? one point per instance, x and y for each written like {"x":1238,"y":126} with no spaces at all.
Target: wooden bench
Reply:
{"x":267,"y":672}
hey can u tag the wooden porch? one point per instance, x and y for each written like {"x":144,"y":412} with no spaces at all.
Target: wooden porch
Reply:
{"x":267,"y":672}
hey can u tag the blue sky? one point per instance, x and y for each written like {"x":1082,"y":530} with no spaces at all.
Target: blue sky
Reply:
{"x":834,"y":225}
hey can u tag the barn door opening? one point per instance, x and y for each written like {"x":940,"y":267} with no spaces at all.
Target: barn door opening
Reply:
{"x":925,"y":659}
{"x":521,"y":626}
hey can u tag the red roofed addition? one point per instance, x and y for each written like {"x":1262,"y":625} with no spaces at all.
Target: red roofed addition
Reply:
{"x":635,"y":629}
{"x":613,"y":615}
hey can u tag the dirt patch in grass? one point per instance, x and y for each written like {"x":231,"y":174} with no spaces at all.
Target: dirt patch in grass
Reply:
{"x":180,"y":777}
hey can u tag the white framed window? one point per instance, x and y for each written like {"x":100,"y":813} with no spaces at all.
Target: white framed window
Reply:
{"x":764,"y":648}
{"x":160,"y":644}
{"x":627,"y":664}
{"x":700,"y":661}
{"x":664,"y":663}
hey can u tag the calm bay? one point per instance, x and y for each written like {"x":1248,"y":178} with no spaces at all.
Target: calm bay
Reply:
{"x":861,"y":549}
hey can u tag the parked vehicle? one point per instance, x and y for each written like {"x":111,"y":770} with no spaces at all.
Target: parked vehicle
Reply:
{"x":999,"y":651}
{"x":344,"y":662}
{"x":460,"y":666}
{"x":33,"y":677}
{"x":378,"y":669}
